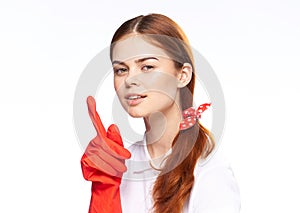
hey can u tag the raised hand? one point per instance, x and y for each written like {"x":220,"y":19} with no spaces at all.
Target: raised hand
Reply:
{"x":103,"y":163}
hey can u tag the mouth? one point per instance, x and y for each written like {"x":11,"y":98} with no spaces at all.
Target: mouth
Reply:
{"x":134,"y":99}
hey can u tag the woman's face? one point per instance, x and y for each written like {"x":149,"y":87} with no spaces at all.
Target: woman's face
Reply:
{"x":145,"y":77}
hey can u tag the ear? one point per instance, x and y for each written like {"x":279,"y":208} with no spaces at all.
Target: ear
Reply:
{"x":185,"y":75}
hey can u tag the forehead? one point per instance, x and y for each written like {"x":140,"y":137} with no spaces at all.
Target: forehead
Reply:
{"x":135,"y":46}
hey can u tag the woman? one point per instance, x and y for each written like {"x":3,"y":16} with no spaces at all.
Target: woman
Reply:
{"x":154,"y":78}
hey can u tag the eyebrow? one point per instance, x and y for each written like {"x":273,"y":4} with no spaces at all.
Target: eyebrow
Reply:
{"x":136,"y":61}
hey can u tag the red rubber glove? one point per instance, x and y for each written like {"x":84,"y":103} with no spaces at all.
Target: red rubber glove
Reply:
{"x":103,"y":163}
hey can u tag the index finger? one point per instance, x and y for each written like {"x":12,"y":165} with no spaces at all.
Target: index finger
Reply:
{"x":95,"y":116}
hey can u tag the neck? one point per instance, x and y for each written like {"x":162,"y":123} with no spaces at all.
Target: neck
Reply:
{"x":161,"y":129}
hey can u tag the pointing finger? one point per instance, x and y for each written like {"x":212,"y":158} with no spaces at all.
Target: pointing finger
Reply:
{"x":95,"y":116}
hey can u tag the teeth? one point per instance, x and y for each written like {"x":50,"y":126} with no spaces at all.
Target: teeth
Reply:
{"x":134,"y":97}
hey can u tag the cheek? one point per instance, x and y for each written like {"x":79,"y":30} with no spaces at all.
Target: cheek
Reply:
{"x":161,"y":82}
{"x":119,"y":88}
{"x":117,"y":84}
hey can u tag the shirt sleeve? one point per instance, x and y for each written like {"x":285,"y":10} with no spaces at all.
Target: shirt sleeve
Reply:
{"x":215,"y":191}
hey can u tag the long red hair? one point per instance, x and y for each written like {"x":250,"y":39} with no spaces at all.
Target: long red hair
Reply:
{"x":174,"y":184}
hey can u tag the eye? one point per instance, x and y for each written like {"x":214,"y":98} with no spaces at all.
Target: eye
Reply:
{"x":147,"y":68}
{"x":120,"y":71}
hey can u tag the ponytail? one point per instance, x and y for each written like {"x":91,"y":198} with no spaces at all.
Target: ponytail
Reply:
{"x":174,"y":184}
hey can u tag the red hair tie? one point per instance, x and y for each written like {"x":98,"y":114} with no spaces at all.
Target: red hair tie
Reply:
{"x":191,"y":115}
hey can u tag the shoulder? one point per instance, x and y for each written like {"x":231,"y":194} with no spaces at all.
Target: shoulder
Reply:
{"x":215,"y":189}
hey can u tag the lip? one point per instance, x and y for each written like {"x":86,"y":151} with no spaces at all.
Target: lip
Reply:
{"x":134,"y":102}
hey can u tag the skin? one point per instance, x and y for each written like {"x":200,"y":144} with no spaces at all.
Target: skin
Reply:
{"x":144,"y":69}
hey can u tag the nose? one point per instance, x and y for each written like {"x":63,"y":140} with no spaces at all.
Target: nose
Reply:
{"x":132,"y":80}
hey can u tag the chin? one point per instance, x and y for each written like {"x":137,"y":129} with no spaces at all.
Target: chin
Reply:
{"x":135,"y":114}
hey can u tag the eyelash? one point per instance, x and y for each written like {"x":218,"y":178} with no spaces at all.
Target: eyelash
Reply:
{"x":148,"y":67}
{"x":145,"y":68}
{"x":120,"y":71}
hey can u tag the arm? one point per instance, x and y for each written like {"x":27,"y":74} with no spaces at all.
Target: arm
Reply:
{"x":103,"y":164}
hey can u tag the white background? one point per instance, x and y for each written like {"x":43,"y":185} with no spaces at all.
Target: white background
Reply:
{"x":253,"y":47}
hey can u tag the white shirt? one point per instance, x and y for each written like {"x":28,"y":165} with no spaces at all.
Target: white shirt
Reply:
{"x":215,"y":189}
